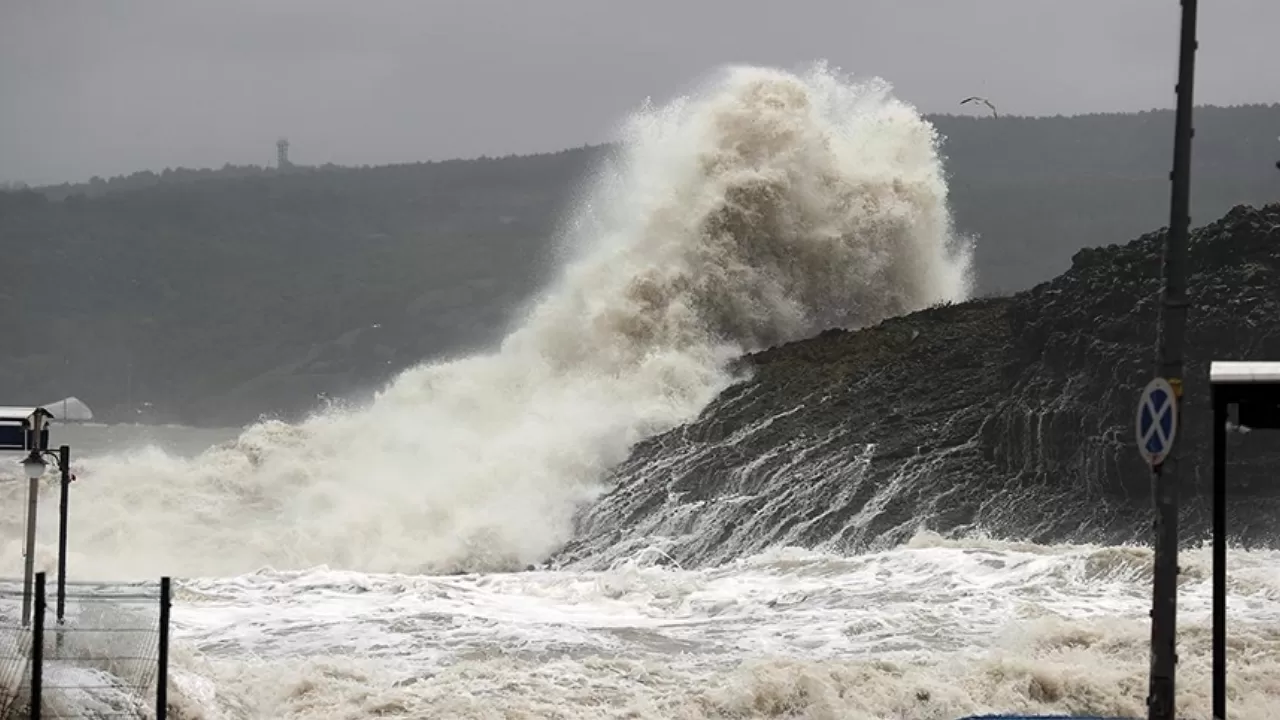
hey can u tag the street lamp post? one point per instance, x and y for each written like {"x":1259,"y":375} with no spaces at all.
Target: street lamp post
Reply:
{"x":64,"y":500}
{"x":34,"y":467}
{"x":27,"y":430}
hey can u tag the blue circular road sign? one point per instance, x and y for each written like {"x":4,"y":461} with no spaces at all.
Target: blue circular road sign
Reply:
{"x":1157,"y":421}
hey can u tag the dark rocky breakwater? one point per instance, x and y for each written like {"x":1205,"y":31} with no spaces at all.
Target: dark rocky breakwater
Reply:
{"x":1011,"y":416}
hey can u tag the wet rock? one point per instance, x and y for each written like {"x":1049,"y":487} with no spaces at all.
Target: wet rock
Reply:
{"x":1013,"y":416}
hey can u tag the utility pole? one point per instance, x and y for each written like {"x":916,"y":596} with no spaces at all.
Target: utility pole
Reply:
{"x":1173,"y":323}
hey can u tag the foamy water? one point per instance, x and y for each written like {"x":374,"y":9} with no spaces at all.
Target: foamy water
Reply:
{"x":933,"y":630}
{"x":936,"y":629}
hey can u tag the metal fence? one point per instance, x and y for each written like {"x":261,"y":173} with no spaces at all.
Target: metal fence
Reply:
{"x":106,"y":658}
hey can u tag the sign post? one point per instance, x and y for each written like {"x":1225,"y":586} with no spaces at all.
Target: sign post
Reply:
{"x":1156,"y":426}
{"x":1169,"y":362}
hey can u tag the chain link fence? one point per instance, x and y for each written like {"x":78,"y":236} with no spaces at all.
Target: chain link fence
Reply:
{"x":106,"y":658}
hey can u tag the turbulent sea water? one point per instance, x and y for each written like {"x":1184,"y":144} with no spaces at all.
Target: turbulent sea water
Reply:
{"x":369,"y":562}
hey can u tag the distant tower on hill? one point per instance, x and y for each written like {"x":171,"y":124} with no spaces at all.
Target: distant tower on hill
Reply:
{"x":282,"y":154}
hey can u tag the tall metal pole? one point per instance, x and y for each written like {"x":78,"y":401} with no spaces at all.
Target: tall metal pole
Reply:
{"x":1173,"y":323}
{"x":64,"y":465}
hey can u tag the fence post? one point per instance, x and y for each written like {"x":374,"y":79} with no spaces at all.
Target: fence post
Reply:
{"x":37,"y":651}
{"x":162,"y":672}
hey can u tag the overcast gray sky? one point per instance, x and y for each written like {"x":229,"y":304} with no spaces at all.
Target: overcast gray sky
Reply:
{"x":111,"y":86}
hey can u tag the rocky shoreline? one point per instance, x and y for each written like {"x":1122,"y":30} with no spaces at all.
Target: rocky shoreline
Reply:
{"x":1011,"y":416}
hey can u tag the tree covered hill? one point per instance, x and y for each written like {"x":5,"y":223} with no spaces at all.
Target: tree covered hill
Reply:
{"x":210,"y":296}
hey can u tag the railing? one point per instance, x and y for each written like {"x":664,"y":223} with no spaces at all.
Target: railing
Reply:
{"x":106,"y":659}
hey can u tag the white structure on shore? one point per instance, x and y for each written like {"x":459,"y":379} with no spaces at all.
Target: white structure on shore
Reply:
{"x":70,"y":409}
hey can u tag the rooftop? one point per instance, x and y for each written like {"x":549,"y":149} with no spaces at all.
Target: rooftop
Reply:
{"x":1244,"y":372}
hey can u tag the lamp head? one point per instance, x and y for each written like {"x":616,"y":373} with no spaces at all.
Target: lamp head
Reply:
{"x":33,"y":465}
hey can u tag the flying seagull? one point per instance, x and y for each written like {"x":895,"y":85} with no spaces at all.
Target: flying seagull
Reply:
{"x":982,"y":100}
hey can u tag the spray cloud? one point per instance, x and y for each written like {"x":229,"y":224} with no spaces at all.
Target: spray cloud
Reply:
{"x":763,"y":209}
